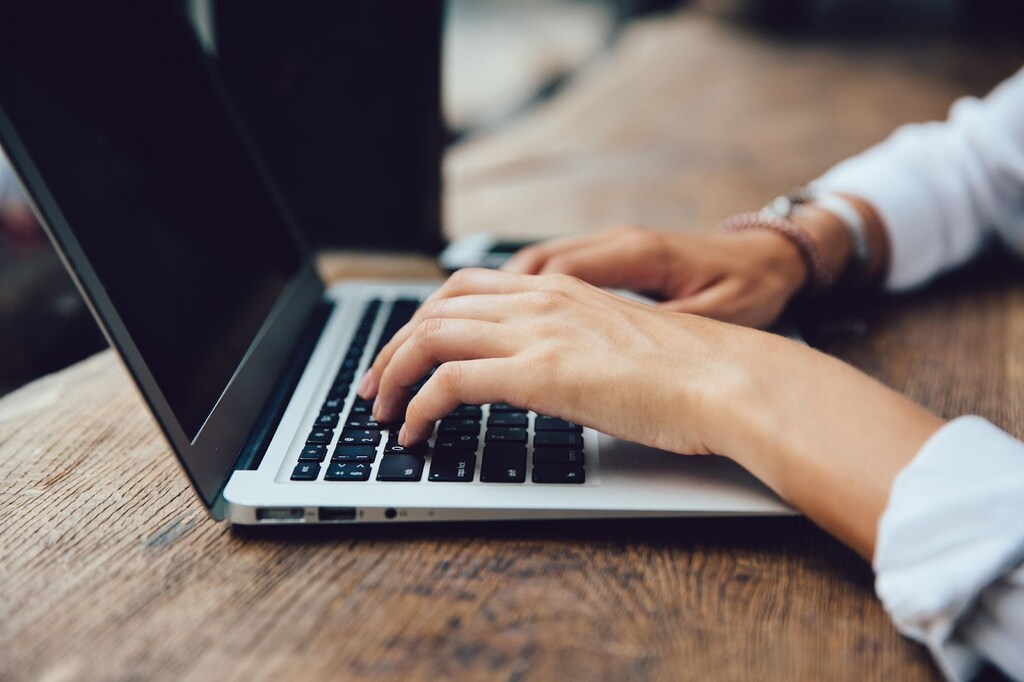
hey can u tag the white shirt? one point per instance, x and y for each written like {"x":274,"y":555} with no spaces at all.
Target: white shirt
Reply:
{"x":949,"y":561}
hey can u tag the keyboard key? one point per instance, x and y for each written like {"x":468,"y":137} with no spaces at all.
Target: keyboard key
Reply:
{"x":393,"y":448}
{"x":558,"y":456}
{"x":354,"y":453}
{"x":467,"y":412}
{"x":558,"y":473}
{"x":542,"y":423}
{"x":452,"y":466}
{"x":505,"y":407}
{"x":400,"y":468}
{"x":348,"y":471}
{"x":333,"y":405}
{"x":361,"y":421}
{"x":507,"y":419}
{"x":504,"y":463}
{"x":456,"y":441}
{"x":306,"y":471}
{"x":313,"y":453}
{"x":557,"y":439}
{"x":360,"y":437}
{"x":322,"y":436}
{"x":361,"y":409}
{"x":328,"y":420}
{"x":459,"y":426}
{"x":505,"y":435}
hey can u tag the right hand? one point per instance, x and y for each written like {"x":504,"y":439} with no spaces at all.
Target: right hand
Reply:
{"x":746,"y":277}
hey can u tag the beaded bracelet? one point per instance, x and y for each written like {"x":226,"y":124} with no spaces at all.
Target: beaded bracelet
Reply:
{"x":818,"y":277}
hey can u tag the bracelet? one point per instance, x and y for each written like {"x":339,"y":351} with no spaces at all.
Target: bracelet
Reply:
{"x":851,"y":219}
{"x":775,"y":218}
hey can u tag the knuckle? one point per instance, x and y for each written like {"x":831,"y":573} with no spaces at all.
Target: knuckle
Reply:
{"x":449,"y":377}
{"x":433,"y":308}
{"x":460,"y":278}
{"x":429,"y":330}
{"x":558,"y":281}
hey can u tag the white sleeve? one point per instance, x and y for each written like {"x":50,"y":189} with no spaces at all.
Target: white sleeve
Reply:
{"x":949,"y":560}
{"x":941,"y":188}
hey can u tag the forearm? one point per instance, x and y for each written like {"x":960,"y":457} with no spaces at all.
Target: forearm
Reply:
{"x":826,"y":437}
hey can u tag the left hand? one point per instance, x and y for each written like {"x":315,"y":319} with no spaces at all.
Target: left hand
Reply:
{"x":558,"y":346}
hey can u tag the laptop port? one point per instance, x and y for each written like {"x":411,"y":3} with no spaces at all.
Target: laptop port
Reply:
{"x":337,"y":513}
{"x":272,"y":514}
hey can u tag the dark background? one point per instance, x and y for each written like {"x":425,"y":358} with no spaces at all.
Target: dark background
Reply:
{"x":302,"y":75}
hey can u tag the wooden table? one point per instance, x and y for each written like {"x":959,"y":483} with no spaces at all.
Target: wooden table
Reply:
{"x":110,"y":568}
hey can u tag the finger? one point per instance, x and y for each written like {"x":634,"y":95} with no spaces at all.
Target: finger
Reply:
{"x":435,"y":342}
{"x":715,"y":301}
{"x":472,"y":382}
{"x":531,"y":260}
{"x":465,"y":282}
{"x":610,"y":263}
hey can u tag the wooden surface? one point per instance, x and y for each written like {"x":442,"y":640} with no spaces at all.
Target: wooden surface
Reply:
{"x":110,"y":568}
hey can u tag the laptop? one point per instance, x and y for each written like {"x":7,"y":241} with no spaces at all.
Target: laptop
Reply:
{"x":118,"y":128}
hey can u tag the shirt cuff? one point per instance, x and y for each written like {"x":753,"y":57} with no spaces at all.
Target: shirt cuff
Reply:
{"x":952,"y":527}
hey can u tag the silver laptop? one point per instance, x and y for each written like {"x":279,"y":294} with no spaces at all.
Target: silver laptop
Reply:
{"x":152,"y":194}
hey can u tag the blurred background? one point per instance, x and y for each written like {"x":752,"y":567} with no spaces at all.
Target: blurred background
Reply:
{"x":689,"y":110}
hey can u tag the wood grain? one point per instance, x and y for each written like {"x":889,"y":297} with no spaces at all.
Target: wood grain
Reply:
{"x":110,"y":568}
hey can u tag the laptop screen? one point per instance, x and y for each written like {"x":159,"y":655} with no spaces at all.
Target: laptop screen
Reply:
{"x":123,"y":122}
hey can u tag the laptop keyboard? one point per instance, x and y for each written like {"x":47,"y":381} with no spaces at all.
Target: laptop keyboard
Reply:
{"x":349,"y":445}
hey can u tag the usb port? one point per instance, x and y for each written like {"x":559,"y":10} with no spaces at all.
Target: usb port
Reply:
{"x":337,"y":513}
{"x":271,"y":514}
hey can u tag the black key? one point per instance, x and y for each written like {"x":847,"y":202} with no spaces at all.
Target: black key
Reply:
{"x":361,"y":421}
{"x":507,"y":419}
{"x":504,"y":463}
{"x":555,"y":424}
{"x":467,"y":412}
{"x":327,"y":420}
{"x":348,"y":471}
{"x":393,"y":448}
{"x":338,"y":392}
{"x":362,"y":402}
{"x":323,"y":436}
{"x":333,"y":405}
{"x":558,"y":473}
{"x":349,"y":363}
{"x":459,"y":426}
{"x":400,"y":468}
{"x":558,"y":456}
{"x":306,"y":471}
{"x":456,"y":441}
{"x":505,"y":407}
{"x":452,"y":466}
{"x":361,"y":409}
{"x":354,"y":453}
{"x":344,"y":377}
{"x":359,"y":437}
{"x":313,"y":453}
{"x":505,"y":435}
{"x":557,"y":439}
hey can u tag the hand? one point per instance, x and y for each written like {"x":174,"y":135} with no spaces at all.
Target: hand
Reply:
{"x":558,"y":346}
{"x":746,"y":278}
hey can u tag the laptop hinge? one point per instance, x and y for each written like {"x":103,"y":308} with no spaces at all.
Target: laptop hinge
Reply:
{"x":256,"y":445}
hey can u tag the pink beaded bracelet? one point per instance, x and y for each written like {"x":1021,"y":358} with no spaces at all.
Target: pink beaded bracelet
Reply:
{"x":818,"y":277}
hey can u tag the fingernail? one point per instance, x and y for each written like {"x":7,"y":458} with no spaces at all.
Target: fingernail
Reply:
{"x":364,"y":384}
{"x":375,"y":410}
{"x":401,"y":436}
